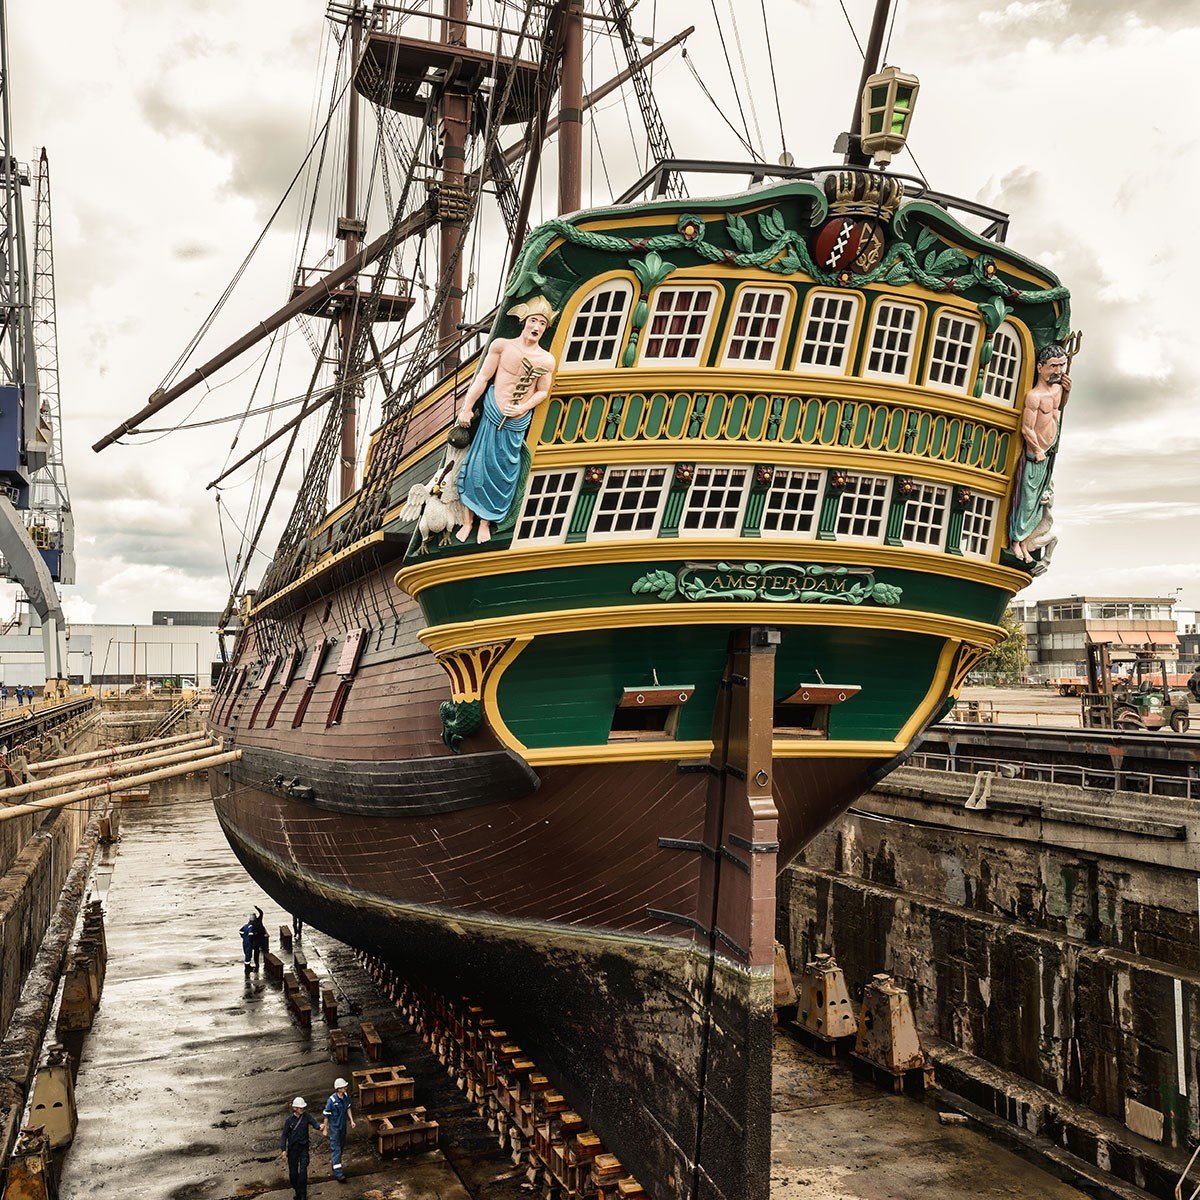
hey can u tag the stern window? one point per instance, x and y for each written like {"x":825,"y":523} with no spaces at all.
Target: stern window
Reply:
{"x":892,"y":336}
{"x":863,"y":506}
{"x":547,"y":506}
{"x":715,"y":501}
{"x":678,"y":324}
{"x":754,"y":333}
{"x":828,"y":328}
{"x":925,"y":516}
{"x":594,"y":339}
{"x":977,"y":526}
{"x":791,"y":506}
{"x":953,"y":352}
{"x":1005,"y":368}
{"x":630,"y":502}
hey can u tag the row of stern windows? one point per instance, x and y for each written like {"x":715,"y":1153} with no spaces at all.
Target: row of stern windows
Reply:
{"x":680,"y":333}
{"x":632,"y":503}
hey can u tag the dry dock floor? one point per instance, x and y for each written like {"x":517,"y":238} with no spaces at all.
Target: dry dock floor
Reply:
{"x":188,"y":1072}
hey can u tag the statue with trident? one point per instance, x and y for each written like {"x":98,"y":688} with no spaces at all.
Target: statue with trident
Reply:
{"x":515,"y":377}
{"x":1041,"y":419}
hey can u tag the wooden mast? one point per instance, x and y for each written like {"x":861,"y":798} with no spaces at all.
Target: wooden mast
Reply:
{"x":454,"y":111}
{"x":570,"y":112}
{"x":854,"y":154}
{"x":350,"y":230}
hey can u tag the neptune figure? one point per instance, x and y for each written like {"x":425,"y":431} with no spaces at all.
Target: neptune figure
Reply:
{"x":515,"y":377}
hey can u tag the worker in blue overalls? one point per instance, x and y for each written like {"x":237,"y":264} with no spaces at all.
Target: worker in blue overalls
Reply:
{"x":293,"y":1145}
{"x":337,"y":1113}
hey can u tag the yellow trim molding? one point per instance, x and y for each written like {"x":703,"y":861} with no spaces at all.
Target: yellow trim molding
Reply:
{"x":443,"y":638}
{"x":416,"y":578}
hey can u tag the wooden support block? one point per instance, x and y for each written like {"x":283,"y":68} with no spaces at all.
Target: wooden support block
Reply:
{"x":405,"y":1134}
{"x":339,"y":1044}
{"x":372,"y":1043}
{"x":274,"y":966}
{"x":312,"y":985}
{"x":301,"y":1009}
{"x":329,"y":1013}
{"x":299,"y":961}
{"x":290,"y":982}
{"x":285,"y":939}
{"x":383,"y":1088}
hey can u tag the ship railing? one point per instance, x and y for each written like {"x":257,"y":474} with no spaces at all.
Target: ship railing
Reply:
{"x":1101,"y":779}
{"x":426,"y":19}
{"x":656,"y":180}
{"x":1185,"y":1182}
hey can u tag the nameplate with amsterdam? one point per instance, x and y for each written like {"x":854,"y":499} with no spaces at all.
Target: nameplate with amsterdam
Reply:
{"x":774,"y":582}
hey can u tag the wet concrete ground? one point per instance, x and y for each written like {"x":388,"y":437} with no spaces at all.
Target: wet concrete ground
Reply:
{"x":836,"y":1137}
{"x":187,"y":1075}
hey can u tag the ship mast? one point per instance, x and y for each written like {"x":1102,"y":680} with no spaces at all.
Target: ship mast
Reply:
{"x":455,"y":112}
{"x":350,"y":230}
{"x":570,"y":111}
{"x":852,"y":145}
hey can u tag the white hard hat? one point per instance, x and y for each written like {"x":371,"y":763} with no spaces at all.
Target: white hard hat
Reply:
{"x":339,"y":1082}
{"x":299,"y":1102}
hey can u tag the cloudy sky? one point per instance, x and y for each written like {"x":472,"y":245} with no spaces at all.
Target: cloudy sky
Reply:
{"x":173,"y":130}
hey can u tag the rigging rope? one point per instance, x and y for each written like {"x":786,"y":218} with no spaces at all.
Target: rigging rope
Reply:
{"x":861,"y":52}
{"x":774,"y":82}
{"x":687,"y":58}
{"x":729,"y":66}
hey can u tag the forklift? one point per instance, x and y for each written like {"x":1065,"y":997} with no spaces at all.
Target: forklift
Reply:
{"x":1141,"y":700}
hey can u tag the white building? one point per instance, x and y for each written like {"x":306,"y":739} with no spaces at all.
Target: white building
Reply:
{"x":175,"y":646}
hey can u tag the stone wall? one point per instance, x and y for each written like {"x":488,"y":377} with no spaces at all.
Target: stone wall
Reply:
{"x":1054,"y":933}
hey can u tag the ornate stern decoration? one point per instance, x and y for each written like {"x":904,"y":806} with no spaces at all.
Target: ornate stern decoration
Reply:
{"x":468,"y":669}
{"x":861,"y":207}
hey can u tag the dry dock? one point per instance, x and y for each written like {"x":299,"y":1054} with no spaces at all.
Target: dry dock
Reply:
{"x":187,"y":1073}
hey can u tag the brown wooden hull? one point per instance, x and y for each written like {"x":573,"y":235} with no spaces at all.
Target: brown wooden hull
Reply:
{"x":616,"y":916}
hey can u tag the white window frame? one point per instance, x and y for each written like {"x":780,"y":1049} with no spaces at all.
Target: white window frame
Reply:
{"x":571,"y":477}
{"x":1001,"y":353}
{"x":582,"y":329}
{"x":702,"y":334}
{"x":854,"y":300}
{"x":754,"y":294}
{"x":914,"y":341}
{"x":786,"y":475}
{"x":616,"y":535}
{"x":885,"y":498}
{"x":701,"y":482}
{"x":968,"y":368}
{"x":934,"y":497}
{"x":988,"y":515}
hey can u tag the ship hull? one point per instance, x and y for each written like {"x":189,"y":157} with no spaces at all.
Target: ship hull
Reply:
{"x":570,"y":921}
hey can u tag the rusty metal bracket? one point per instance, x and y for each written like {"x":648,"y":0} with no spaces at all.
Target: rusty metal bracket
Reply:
{"x":666,"y":843}
{"x":754,"y":847}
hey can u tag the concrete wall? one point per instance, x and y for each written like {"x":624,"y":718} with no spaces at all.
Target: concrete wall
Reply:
{"x":35,"y":856}
{"x":1055,"y":935}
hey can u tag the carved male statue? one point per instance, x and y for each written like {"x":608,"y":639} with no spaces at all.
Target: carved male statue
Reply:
{"x":515,"y":377}
{"x":1039,"y":428}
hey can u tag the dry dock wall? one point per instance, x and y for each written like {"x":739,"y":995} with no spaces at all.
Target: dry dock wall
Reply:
{"x":1053,"y":934}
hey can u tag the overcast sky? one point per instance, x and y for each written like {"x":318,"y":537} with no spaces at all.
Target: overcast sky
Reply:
{"x":173,"y":129}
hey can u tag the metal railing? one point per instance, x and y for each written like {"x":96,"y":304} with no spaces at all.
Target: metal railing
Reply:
{"x":1183,"y":1179}
{"x":1104,"y":779}
{"x":985,"y":712}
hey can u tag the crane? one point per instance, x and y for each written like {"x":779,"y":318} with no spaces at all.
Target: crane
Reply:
{"x":27,"y":427}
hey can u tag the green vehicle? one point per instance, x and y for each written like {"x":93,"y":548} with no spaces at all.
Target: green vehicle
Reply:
{"x":1143,"y":699}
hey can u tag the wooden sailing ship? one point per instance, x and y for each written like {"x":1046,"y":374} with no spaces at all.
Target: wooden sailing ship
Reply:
{"x":762,"y":526}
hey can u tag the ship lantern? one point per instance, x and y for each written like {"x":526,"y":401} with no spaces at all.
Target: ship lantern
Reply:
{"x":887,"y":105}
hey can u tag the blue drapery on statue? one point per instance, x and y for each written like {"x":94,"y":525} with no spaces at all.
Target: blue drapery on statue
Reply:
{"x":488,"y":479}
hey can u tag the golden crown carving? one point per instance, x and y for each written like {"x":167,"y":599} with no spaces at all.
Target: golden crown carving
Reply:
{"x":861,"y":193}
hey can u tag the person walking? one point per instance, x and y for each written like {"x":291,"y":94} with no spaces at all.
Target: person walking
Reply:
{"x":337,"y":1113}
{"x":293,"y":1145}
{"x":253,"y":933}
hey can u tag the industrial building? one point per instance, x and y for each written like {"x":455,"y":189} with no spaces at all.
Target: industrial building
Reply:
{"x":1057,"y":630}
{"x":175,"y":646}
